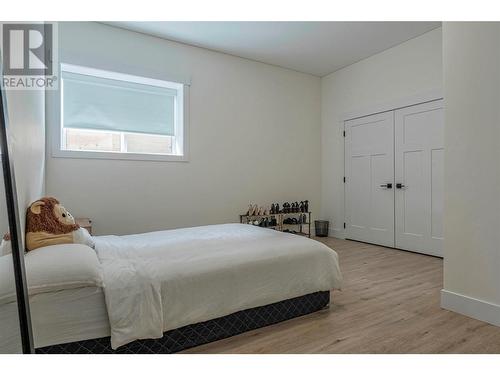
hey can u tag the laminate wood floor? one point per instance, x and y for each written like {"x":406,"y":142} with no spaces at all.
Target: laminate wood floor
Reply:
{"x":389,"y":304}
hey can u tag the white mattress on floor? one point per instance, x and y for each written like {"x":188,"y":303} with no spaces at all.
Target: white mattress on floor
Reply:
{"x":57,"y":317}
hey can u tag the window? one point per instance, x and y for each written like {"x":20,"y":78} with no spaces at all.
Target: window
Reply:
{"x":119,"y":116}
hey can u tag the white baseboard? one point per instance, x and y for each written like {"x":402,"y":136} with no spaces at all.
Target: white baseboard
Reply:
{"x":481,"y":310}
{"x":337,"y":233}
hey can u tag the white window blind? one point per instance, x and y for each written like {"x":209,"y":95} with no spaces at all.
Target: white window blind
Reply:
{"x":97,"y":103}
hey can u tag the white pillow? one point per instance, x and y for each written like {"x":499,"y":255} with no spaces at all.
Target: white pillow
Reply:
{"x":52,"y":268}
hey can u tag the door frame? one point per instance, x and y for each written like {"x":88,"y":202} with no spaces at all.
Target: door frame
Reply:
{"x":403,"y":102}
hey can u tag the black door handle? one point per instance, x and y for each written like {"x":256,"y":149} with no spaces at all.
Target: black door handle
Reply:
{"x":399,"y":185}
{"x":388,"y":185}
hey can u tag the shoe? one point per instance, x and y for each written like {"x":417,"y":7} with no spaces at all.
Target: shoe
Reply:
{"x":255,"y":210}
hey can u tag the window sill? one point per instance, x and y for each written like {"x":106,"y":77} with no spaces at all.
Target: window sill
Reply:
{"x":117,"y":156}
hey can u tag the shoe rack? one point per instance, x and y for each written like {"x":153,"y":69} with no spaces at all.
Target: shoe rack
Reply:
{"x":290,"y":222}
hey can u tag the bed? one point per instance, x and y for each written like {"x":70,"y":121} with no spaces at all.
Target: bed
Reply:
{"x":163,"y":292}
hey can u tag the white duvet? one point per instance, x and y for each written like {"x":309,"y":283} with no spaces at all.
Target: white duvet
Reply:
{"x":154,"y":282}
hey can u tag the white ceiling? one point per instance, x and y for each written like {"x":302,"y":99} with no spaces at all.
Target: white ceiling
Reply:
{"x":317,"y":48}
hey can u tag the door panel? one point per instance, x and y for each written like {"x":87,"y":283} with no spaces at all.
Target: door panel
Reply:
{"x":369,"y":147}
{"x":419,"y":145}
{"x":360,"y":179}
{"x":414,"y":193}
{"x":382,"y":200}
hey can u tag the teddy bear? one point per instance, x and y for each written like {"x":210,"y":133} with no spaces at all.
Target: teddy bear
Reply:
{"x":49,"y":223}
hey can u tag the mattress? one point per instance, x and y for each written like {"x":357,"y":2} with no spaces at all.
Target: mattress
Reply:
{"x":57,"y":317}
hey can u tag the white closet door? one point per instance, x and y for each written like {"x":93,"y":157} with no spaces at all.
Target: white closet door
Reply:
{"x":369,"y":168}
{"x":419,"y":132}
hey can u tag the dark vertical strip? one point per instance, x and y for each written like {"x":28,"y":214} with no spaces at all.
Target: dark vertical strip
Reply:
{"x":15,"y":227}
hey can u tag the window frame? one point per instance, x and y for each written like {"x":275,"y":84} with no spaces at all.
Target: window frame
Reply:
{"x":180,"y":127}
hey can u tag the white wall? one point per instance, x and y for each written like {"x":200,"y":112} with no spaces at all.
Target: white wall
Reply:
{"x":254,"y":137}
{"x":472,"y":180}
{"x":409,"y":69}
{"x":26,"y":110}
{"x":26,"y":115}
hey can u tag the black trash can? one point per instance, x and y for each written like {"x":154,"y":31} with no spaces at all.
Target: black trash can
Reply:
{"x":321,"y":227}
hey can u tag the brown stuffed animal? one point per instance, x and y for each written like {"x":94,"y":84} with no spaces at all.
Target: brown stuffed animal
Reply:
{"x":49,"y":223}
